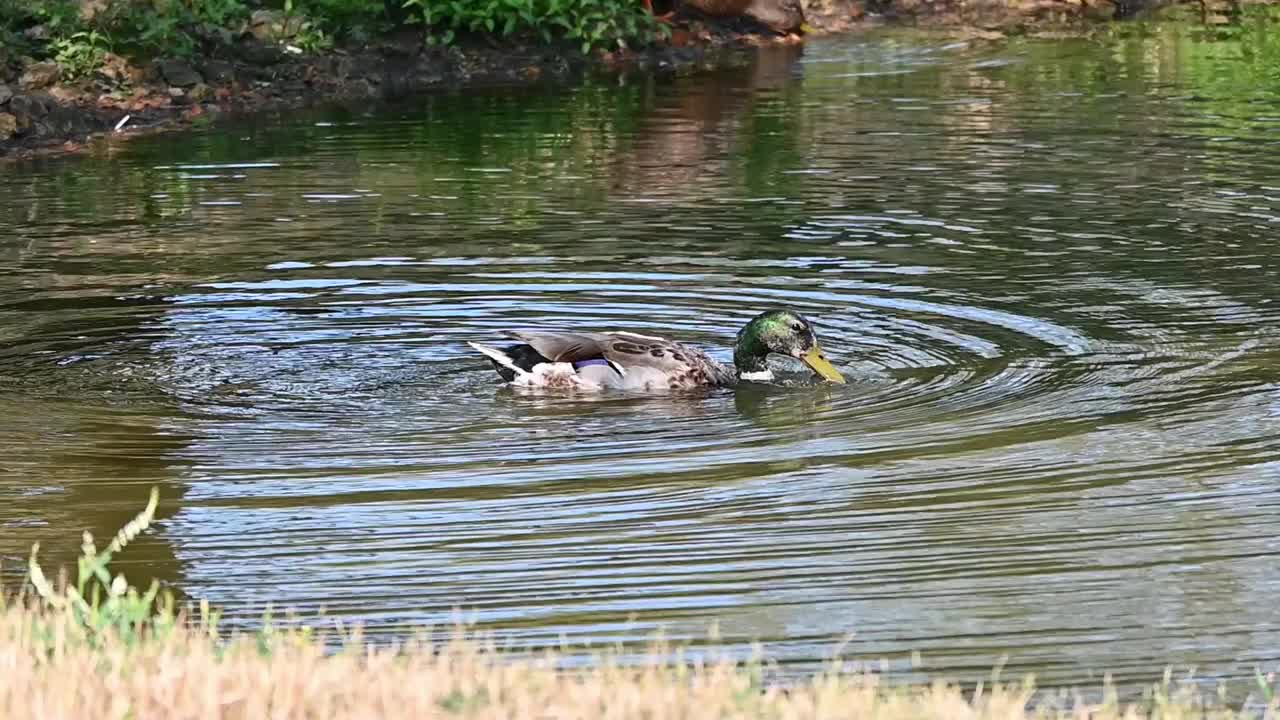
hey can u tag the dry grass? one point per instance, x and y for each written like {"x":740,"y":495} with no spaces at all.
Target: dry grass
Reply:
{"x":102,"y":649}
{"x":49,"y":670}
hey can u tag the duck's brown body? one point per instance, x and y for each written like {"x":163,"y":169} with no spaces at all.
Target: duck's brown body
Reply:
{"x":590,"y":361}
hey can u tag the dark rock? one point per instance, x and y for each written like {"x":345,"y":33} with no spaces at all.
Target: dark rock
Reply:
{"x":259,"y":53}
{"x":78,"y":121}
{"x":213,"y":35}
{"x":217,"y":72}
{"x":28,"y":108}
{"x":366,"y":67}
{"x":360,"y":89}
{"x":40,"y":75}
{"x":402,"y":44}
{"x":5,"y":93}
{"x":178,"y":73}
{"x":64,"y":122}
{"x":255,"y":74}
{"x":783,"y":16}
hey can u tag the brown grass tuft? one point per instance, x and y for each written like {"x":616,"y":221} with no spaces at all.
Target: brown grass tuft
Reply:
{"x":103,"y":649}
{"x":48,"y":671}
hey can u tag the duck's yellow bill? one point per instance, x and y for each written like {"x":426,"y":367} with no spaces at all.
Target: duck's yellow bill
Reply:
{"x":815,"y":360}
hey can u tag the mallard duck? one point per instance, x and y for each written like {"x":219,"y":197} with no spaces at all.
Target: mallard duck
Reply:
{"x":629,"y":361}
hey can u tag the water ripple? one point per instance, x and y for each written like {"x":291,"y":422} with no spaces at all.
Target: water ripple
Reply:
{"x":1051,"y":292}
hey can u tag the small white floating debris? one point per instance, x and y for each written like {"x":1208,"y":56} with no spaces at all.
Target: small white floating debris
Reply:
{"x":218,"y":166}
{"x":293,"y":49}
{"x":736,"y":200}
{"x":373,"y":262}
{"x":123,"y":121}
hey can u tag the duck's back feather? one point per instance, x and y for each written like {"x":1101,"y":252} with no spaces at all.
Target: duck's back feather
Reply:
{"x":644,"y":362}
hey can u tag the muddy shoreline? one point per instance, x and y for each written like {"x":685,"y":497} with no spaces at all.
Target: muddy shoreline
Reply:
{"x":42,"y":114}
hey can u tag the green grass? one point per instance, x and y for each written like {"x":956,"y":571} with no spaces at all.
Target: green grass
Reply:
{"x":143,"y":29}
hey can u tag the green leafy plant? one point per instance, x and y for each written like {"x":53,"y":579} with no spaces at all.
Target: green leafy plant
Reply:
{"x":58,"y":17}
{"x":176,"y":27}
{"x":81,"y":53}
{"x":150,"y":28}
{"x":23,"y":25}
{"x":98,"y":603}
{"x":591,"y":23}
{"x":218,"y":13}
{"x":347,"y":18}
{"x":307,"y":36}
{"x":11,"y":17}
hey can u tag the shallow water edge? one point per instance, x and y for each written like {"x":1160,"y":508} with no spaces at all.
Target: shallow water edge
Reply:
{"x":250,"y":78}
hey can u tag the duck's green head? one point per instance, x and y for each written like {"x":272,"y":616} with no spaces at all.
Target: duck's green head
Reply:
{"x":785,"y":333}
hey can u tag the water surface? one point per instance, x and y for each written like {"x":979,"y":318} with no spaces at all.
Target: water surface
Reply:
{"x":1047,"y":267}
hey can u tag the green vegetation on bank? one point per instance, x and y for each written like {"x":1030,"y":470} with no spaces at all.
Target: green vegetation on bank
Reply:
{"x":79,"y":33}
{"x":101,"y":648}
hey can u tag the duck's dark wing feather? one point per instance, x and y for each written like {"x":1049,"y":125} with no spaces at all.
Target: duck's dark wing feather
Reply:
{"x":631,"y":351}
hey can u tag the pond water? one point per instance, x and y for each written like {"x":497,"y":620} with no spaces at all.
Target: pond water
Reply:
{"x":1048,"y":268}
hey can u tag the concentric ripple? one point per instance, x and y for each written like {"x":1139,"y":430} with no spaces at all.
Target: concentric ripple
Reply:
{"x":1052,"y":290}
